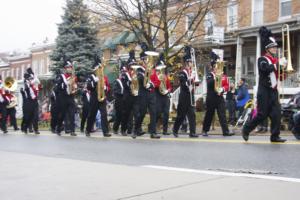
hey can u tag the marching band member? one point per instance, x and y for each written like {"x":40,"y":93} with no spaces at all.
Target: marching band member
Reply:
{"x":3,"y":103}
{"x":267,"y":94}
{"x":31,"y":107}
{"x":215,"y":99}
{"x":98,"y":98}
{"x":146,"y":96}
{"x":163,"y":94}
{"x":186,"y":97}
{"x":53,"y":109}
{"x":130,"y":94}
{"x":66,"y":87}
{"x":11,"y":109}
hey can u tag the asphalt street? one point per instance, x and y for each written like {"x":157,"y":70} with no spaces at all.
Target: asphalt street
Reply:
{"x":216,"y":153}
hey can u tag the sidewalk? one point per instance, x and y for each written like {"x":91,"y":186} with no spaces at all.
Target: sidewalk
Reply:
{"x":30,"y":177}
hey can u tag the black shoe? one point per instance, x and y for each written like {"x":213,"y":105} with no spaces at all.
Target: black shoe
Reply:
{"x":297,"y":135}
{"x":154,"y":136}
{"x":166,"y":133}
{"x":4,"y":132}
{"x":193,"y":135}
{"x":140,"y":133}
{"x":175,"y":134}
{"x":30,"y":131}
{"x":25,"y":132}
{"x":278,"y":139}
{"x":73,"y":134}
{"x":115,"y":132}
{"x":58,"y":133}
{"x":36,"y":132}
{"x":106,"y":134}
{"x":16,"y":129}
{"x":123,"y":133}
{"x":228,"y":134}
{"x":87,"y":134}
{"x":133,"y":135}
{"x":204,"y":134}
{"x":245,"y":135}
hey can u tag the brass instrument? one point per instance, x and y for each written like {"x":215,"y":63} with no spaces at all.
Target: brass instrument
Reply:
{"x":101,"y":83}
{"x":162,"y":78}
{"x":134,"y":85}
{"x":150,"y":64}
{"x":196,"y":80}
{"x":286,"y":47}
{"x":13,"y":103}
{"x":10,"y":84}
{"x":72,"y":85}
{"x":218,"y":73}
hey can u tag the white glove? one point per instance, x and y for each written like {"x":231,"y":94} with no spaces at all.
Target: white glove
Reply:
{"x":283,"y":61}
{"x":220,"y":90}
{"x":105,"y":87}
{"x":193,"y":75}
{"x":96,"y":79}
{"x":148,"y":85}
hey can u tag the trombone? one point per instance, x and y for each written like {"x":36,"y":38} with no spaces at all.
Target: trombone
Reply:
{"x":286,"y":53}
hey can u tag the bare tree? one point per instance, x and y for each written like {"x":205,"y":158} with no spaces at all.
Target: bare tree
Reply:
{"x":156,"y":21}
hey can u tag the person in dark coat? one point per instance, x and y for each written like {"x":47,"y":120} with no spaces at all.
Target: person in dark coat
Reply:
{"x":186,"y":97}
{"x":86,"y":99}
{"x":267,"y":94}
{"x":3,"y":103}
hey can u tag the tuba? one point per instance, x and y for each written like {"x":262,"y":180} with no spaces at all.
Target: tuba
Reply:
{"x":10,"y":84}
{"x":13,"y":103}
{"x":134,"y":85}
{"x":101,"y":83}
{"x":150,"y":64}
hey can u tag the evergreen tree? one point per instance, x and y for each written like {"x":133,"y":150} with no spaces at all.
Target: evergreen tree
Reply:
{"x":76,"y":41}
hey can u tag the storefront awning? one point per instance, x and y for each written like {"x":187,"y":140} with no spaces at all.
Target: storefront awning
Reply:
{"x":131,"y":38}
{"x":108,"y":44}
{"x":120,"y":38}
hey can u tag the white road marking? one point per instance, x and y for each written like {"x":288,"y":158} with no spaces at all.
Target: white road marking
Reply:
{"x":217,"y":173}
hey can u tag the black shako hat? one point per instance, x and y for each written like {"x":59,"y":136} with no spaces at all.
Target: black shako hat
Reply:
{"x":187,"y":54}
{"x":131,"y":60}
{"x":213,"y":58}
{"x":97,"y":62}
{"x":267,"y":39}
{"x":144,"y":48}
{"x":28,"y":74}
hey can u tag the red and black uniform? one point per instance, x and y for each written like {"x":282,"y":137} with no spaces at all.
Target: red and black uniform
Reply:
{"x":147,"y":100}
{"x":267,"y":96}
{"x":215,"y":101}
{"x":11,"y":112}
{"x":95,"y":105}
{"x":186,"y":101}
{"x":4,"y":101}
{"x":65,"y":105}
{"x":118,"y":92}
{"x":163,"y":104}
{"x":31,"y":105}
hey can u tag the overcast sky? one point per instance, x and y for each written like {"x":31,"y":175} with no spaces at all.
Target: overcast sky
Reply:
{"x":23,"y":22}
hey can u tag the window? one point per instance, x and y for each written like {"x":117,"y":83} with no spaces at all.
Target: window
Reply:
{"x":232,"y":10}
{"x":257,"y":12}
{"x":285,"y":8}
{"x":209,"y":23}
{"x":188,"y":27}
{"x":172,"y":34}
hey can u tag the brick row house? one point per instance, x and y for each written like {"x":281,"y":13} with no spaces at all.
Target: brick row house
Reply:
{"x":37,"y":58}
{"x":233,"y":28}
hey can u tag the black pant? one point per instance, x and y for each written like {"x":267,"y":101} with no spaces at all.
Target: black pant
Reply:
{"x":65,"y":104}
{"x":130,"y":112}
{"x":95,"y":106}
{"x":230,"y":104}
{"x":54,"y":117}
{"x":118,"y":112}
{"x":163,"y":108}
{"x":147,"y":100}
{"x":31,"y":115}
{"x":3,"y":112}
{"x":11,"y":112}
{"x":267,"y":106}
{"x":184,"y":109}
{"x":215,"y":102}
{"x":84,"y":116}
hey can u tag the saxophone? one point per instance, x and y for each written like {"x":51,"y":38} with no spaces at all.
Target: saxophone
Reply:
{"x":72,"y":85}
{"x":162,"y":78}
{"x":100,"y":85}
{"x":219,"y":72}
{"x":134,"y":85}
